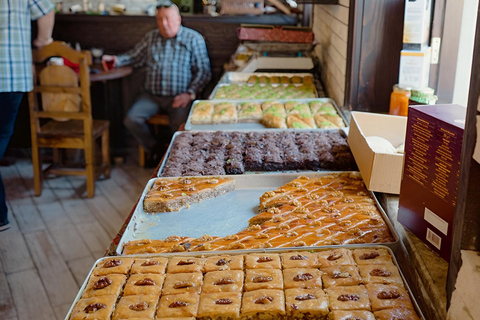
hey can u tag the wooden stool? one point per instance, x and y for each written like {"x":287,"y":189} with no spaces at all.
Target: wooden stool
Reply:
{"x":156,"y":120}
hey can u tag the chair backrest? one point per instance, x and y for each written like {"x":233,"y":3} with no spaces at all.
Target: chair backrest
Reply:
{"x":68,"y":93}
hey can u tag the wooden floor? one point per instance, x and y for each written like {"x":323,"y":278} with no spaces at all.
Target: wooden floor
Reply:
{"x":55,"y":238}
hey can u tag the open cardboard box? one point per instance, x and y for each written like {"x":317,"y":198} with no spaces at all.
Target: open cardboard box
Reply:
{"x":380,"y":171}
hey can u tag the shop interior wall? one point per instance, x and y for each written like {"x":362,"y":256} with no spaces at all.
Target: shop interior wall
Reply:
{"x":133,"y":6}
{"x":330,"y":26}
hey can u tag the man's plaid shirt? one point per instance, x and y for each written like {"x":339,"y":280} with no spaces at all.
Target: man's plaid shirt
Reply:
{"x":174,"y":65}
{"x":15,"y":38}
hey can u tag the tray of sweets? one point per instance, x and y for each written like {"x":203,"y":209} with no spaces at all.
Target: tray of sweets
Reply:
{"x":358,"y":282}
{"x":266,"y":77}
{"x":262,"y":211}
{"x":197,"y":153}
{"x":248,"y":114}
{"x":263,"y":91}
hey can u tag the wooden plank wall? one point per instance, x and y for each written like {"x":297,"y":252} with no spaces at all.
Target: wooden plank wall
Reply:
{"x":330,"y":26}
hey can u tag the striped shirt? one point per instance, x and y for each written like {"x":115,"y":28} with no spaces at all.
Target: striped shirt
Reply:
{"x":15,"y":38}
{"x":174,"y":65}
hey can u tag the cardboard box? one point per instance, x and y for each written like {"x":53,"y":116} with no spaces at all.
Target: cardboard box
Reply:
{"x":415,"y":68}
{"x":416,"y":27}
{"x":428,"y":194}
{"x":380,"y":171}
{"x":275,"y":33}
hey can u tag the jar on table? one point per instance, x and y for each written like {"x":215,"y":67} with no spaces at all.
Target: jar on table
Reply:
{"x":423,"y":96}
{"x":399,"y":100}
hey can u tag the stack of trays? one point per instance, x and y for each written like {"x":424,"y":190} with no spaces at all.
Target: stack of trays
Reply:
{"x":321,"y":283}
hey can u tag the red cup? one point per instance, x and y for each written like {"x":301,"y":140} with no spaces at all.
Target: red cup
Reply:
{"x":108,"y":63}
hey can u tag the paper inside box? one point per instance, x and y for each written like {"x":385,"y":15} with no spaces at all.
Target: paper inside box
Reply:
{"x":380,"y":171}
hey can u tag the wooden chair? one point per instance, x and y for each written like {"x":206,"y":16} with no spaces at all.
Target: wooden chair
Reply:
{"x":156,"y":120}
{"x":68,"y":101}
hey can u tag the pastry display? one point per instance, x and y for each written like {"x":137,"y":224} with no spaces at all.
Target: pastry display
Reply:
{"x":265,"y":90}
{"x":331,"y":209}
{"x":174,"y":194}
{"x":222,"y":152}
{"x":279,"y":292}
{"x":279,"y":79}
{"x":272,"y":114}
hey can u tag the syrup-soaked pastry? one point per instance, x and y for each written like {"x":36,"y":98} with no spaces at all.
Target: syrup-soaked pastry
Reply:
{"x":306,"y":278}
{"x":380,"y":273}
{"x":323,"y":108}
{"x":151,"y":265}
{"x":272,"y":120}
{"x":351,"y":315}
{"x":262,"y":261}
{"x":178,"y":305}
{"x":136,"y":307}
{"x":323,"y":123}
{"x":224,"y":112}
{"x":223,"y":262}
{"x":341,"y":276}
{"x":371,"y":256}
{"x":295,"y":121}
{"x":335,"y":119}
{"x":94,"y":308}
{"x":220,"y":305}
{"x":177,"y":283}
{"x":396,"y":314}
{"x":174,"y":194}
{"x":223,"y":281}
{"x":252,"y":79}
{"x":330,"y":210}
{"x":348,"y":298}
{"x":185,"y":264}
{"x":275,"y":108}
{"x":175,"y":318}
{"x":268,"y":303}
{"x":144,"y":283}
{"x":284,"y":80}
{"x":256,"y":279}
{"x":249,"y":112}
{"x":301,"y":259}
{"x":335,"y":257}
{"x":274,"y":79}
{"x":110,"y":284}
{"x":267,"y":104}
{"x":306,"y":304}
{"x":307,"y":80}
{"x":385,"y":296}
{"x":263,"y":79}
{"x":202,"y":113}
{"x":113,"y":265}
{"x":296,"y":79}
{"x":169,"y":244}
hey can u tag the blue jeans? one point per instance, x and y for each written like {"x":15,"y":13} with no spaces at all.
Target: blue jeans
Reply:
{"x":9,"y":105}
{"x":147,"y":106}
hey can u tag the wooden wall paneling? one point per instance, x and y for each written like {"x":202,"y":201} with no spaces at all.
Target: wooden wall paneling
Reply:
{"x":466,"y":225}
{"x":438,"y":20}
{"x":353,"y":53}
{"x":375,"y":53}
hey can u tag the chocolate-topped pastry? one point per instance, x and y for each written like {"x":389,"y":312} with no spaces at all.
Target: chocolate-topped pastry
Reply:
{"x":234,"y":167}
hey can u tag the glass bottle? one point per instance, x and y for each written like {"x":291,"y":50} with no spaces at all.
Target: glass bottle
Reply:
{"x":399,"y":100}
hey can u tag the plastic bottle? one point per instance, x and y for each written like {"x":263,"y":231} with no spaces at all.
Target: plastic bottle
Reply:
{"x":399,"y":100}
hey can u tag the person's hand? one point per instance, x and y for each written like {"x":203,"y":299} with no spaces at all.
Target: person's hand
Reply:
{"x":40,"y":42}
{"x":182,"y":100}
{"x":109,"y":62}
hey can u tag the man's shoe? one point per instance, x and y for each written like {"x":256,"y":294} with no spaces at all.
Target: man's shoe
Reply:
{"x":5,"y":226}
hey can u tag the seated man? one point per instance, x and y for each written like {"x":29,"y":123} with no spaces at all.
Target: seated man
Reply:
{"x":177,"y":67}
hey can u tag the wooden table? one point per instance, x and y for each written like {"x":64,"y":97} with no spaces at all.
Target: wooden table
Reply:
{"x":116,"y":99}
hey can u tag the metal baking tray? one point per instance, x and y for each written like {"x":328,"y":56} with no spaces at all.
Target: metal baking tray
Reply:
{"x":219,"y":85}
{"x":269,"y":250}
{"x":252,"y":125}
{"x":343,"y":131}
{"x":202,"y":218}
{"x":242,"y":77}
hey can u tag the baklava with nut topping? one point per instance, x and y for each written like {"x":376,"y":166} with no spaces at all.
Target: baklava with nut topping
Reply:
{"x":173,"y":194}
{"x":185,"y":264}
{"x":262,"y":261}
{"x":144,"y":283}
{"x":306,"y":278}
{"x":299,"y":260}
{"x":176,"y":283}
{"x":224,"y":262}
{"x":223,"y":281}
{"x":256,"y":279}
{"x":113,"y":265}
{"x":348,"y":298}
{"x":152,"y":265}
{"x":178,"y":305}
{"x":110,"y":284}
{"x":136,"y":307}
{"x":94,"y":308}
{"x":306,"y":304}
{"x":380,"y":273}
{"x":263,"y":304}
{"x":341,"y":276}
{"x":219,"y":306}
{"x":371,"y":256}
{"x":351,"y":315}
{"x":385,"y":296}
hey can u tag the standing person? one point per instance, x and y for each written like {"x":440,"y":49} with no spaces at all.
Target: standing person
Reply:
{"x":177,"y":67}
{"x":16,"y":75}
